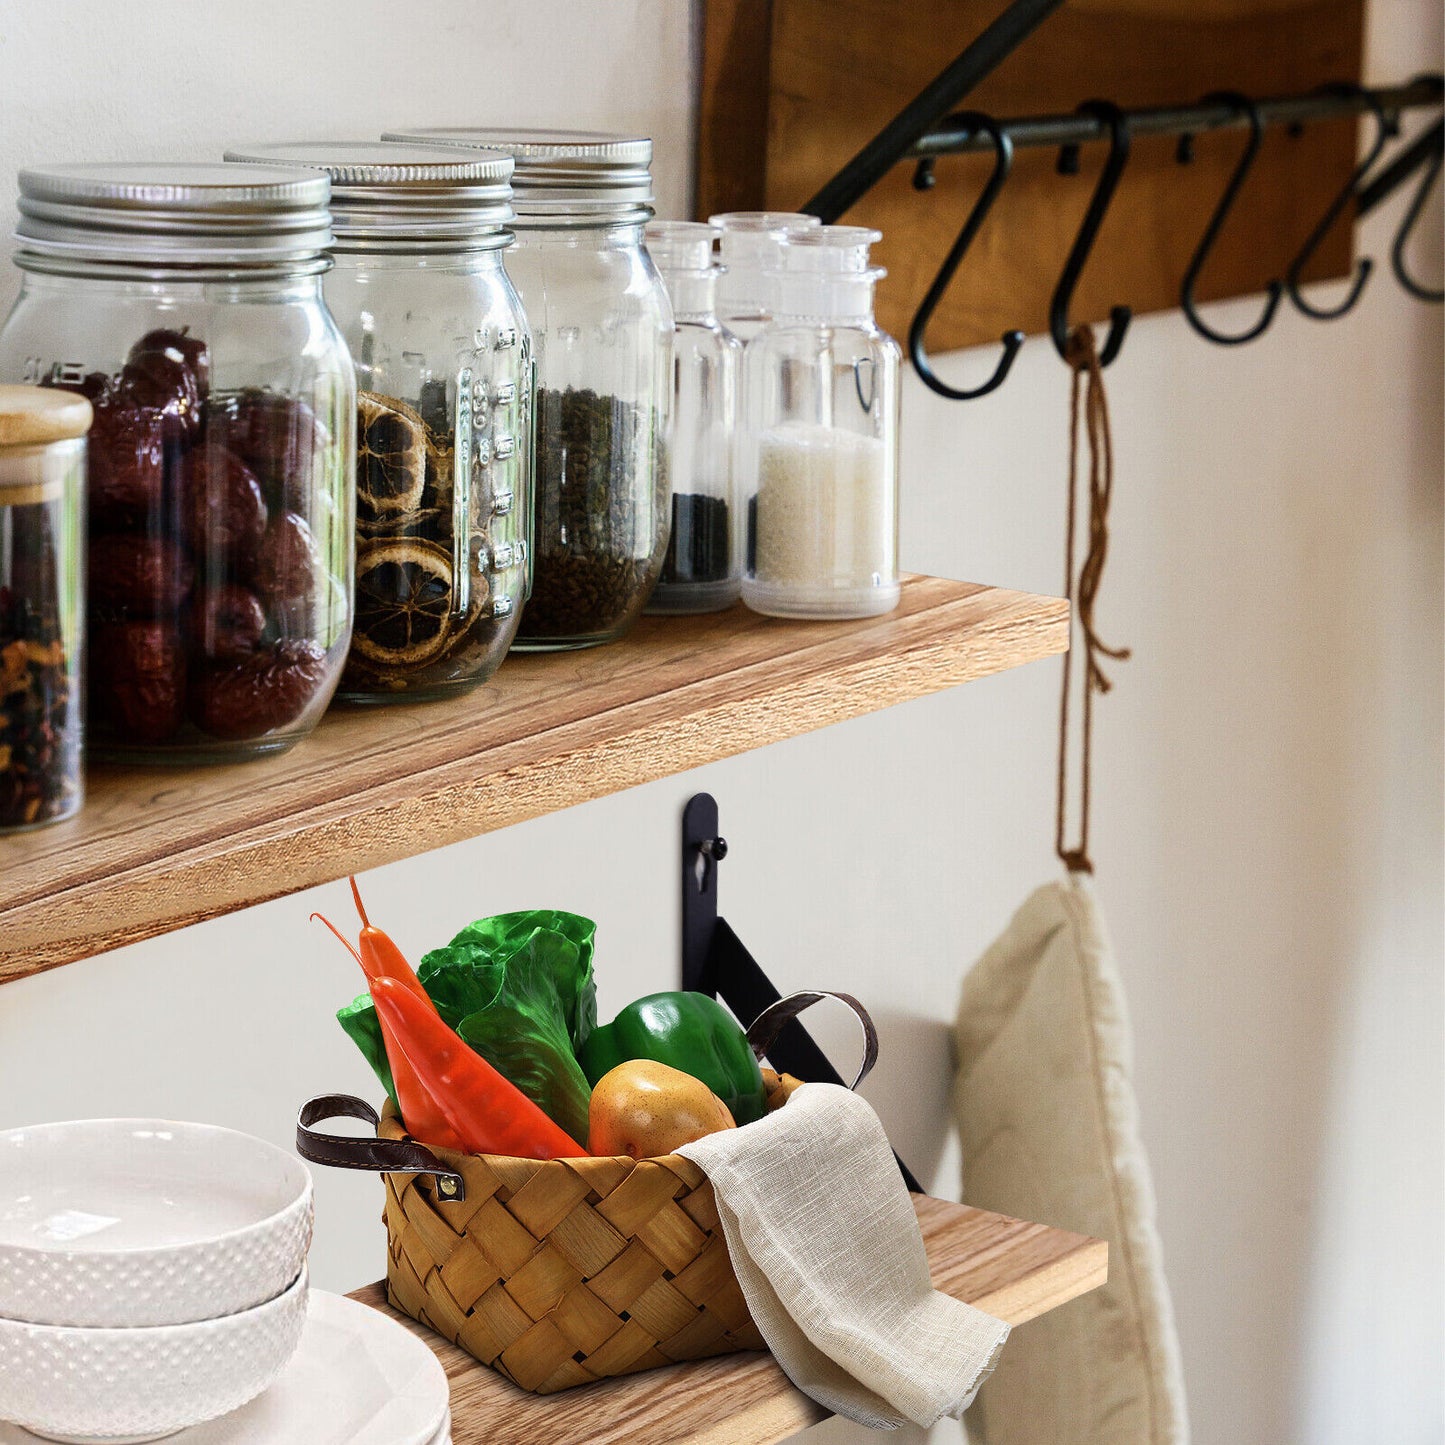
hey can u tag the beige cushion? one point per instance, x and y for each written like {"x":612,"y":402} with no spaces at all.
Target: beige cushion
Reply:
{"x":1050,"y":1132}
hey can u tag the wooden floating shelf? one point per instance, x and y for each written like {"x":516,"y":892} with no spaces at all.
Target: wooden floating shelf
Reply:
{"x":1009,"y":1269}
{"x":157,"y":849}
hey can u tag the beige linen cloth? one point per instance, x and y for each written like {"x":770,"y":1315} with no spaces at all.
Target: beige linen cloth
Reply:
{"x":826,"y":1246}
{"x":1050,"y":1131}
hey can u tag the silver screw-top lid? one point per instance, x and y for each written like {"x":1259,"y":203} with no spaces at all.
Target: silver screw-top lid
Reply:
{"x":386,"y":197}
{"x":559,"y":171}
{"x":166,"y":214}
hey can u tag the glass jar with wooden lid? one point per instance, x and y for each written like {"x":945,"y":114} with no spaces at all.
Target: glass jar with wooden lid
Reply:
{"x":42,"y":608}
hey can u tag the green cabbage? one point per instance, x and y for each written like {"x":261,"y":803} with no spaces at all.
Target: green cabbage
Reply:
{"x":519,"y":989}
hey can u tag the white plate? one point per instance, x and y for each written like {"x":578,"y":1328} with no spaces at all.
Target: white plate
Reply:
{"x":357,"y":1378}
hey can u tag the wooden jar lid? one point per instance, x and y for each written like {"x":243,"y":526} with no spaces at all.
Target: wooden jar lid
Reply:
{"x":37,"y":415}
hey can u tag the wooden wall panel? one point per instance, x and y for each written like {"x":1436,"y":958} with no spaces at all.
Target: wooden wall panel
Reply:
{"x":836,"y":70}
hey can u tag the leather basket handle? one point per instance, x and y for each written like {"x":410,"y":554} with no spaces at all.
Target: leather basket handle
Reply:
{"x":769,"y":1024}
{"x":383,"y":1156}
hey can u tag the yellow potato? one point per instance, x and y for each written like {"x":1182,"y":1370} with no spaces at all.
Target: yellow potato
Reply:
{"x":779,"y":1088}
{"x":645,"y":1109}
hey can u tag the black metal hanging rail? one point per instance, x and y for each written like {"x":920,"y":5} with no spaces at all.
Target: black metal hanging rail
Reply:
{"x":927,"y":128}
{"x":950,"y":137}
{"x":920,"y":128}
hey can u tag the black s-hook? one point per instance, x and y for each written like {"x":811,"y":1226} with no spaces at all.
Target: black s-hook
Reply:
{"x":1119,"y":316}
{"x":1003,"y":151}
{"x":1430,"y":174}
{"x":1384,"y":128}
{"x":1275,"y":289}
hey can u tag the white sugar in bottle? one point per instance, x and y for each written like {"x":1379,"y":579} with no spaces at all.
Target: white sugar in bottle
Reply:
{"x":820,"y":437}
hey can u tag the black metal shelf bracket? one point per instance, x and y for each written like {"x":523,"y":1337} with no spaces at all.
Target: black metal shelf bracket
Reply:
{"x":715,"y":962}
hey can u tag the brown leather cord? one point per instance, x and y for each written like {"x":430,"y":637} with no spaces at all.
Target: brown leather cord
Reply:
{"x":1086,"y":398}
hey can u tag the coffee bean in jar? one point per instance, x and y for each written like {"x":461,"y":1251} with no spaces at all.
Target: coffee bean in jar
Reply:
{"x":601,"y":485}
{"x":603,"y":340}
{"x":184,"y":302}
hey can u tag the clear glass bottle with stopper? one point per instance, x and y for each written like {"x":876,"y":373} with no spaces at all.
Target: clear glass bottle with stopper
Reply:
{"x":819,"y":437}
{"x":703,"y":565}
{"x":750,"y":247}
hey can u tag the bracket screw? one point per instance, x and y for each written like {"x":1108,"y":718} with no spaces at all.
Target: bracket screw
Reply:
{"x":715,"y":848}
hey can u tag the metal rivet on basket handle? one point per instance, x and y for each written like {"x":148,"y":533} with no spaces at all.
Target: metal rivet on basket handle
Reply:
{"x":382,"y":1156}
{"x":770,"y":1023}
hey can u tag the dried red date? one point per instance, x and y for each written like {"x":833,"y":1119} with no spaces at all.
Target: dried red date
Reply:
{"x":289,"y":572}
{"x":138,"y":577}
{"x":276,"y":436}
{"x":170,"y":372}
{"x":227,"y":623}
{"x":259,"y":693}
{"x":223,"y":512}
{"x":130,"y":456}
{"x":138,"y":680}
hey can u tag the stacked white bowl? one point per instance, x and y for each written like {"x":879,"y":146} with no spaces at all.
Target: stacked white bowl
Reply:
{"x":152,"y":1275}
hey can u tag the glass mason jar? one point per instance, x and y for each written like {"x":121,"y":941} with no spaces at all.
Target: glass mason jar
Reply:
{"x":749,"y":247}
{"x":444,"y":410}
{"x":703,"y":565}
{"x":820,"y":437}
{"x":185,"y":302}
{"x":602,"y":332}
{"x":42,"y":607}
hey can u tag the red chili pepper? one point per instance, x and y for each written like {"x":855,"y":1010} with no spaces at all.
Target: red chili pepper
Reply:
{"x":485,"y":1110}
{"x":420,"y":1113}
{"x":381,"y":956}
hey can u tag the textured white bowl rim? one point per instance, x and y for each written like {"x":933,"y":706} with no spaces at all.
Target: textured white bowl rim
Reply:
{"x":146,"y":1334}
{"x":293,"y":1164}
{"x":117,"y":1384}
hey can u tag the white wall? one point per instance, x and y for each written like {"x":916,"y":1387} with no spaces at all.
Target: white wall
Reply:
{"x":1269,"y":777}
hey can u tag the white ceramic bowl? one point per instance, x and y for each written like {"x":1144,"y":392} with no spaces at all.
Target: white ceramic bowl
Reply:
{"x":121,"y":1386}
{"x":135,"y":1222}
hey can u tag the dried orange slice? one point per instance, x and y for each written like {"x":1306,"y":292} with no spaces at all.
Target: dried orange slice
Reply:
{"x":403,"y":602}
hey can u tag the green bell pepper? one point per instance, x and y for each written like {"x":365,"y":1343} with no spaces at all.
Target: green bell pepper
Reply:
{"x":687,"y":1031}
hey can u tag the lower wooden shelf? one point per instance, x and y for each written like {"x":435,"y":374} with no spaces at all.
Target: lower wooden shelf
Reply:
{"x":1008,"y":1268}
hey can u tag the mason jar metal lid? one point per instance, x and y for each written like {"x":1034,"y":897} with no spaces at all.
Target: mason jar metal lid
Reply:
{"x":558,"y":170}
{"x":402,"y":196}
{"x":173,"y":215}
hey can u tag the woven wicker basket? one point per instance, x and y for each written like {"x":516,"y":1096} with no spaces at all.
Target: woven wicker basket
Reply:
{"x":557,"y":1272}
{"x":563,"y":1272}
